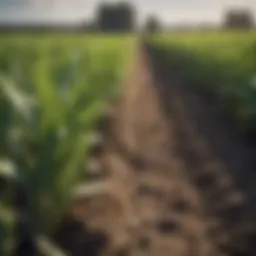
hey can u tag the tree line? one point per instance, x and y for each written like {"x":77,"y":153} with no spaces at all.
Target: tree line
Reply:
{"x":121,"y":18}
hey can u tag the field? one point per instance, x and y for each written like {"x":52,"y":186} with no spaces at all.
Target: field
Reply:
{"x":224,"y":63}
{"x":165,"y":171}
{"x":53,"y":90}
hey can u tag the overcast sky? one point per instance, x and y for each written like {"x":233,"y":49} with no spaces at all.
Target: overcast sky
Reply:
{"x":71,"y":11}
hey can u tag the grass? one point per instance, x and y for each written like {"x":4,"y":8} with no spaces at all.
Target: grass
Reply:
{"x":222,"y":62}
{"x":53,"y":90}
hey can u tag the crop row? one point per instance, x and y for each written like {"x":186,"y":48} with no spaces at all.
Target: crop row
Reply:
{"x":53,"y":91}
{"x":224,"y":63}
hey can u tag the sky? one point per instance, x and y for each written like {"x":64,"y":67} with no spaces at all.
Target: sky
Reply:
{"x":74,"y":11}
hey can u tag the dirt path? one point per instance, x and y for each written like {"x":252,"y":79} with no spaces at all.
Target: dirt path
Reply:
{"x":179,"y":180}
{"x":167,"y":208}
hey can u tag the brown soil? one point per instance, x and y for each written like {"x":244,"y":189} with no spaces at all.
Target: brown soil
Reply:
{"x":178,"y":179}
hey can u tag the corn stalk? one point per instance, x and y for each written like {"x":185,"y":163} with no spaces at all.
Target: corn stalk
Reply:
{"x":46,"y":133}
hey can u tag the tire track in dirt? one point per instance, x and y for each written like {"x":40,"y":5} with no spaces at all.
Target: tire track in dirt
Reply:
{"x":168,"y":217}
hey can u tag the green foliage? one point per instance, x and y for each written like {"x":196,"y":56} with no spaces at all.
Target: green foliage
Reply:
{"x":52,"y":93}
{"x":6,"y":230}
{"x":223,"y":62}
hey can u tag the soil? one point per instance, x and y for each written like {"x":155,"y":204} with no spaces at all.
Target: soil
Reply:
{"x":177,"y":178}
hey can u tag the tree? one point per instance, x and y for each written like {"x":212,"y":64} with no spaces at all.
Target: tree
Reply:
{"x":238,"y":19}
{"x":152,"y":25}
{"x":116,"y":17}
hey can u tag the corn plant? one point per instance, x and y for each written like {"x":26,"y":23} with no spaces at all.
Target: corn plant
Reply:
{"x":223,"y":63}
{"x":7,"y":221}
{"x":51,"y":97}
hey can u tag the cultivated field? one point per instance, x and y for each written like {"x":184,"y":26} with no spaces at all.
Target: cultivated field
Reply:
{"x":166,"y":170}
{"x":224,"y":63}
